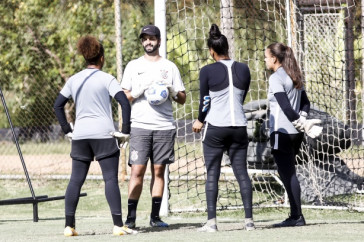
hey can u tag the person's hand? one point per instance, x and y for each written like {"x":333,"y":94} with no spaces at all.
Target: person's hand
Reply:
{"x":308,"y":126}
{"x":197,"y":126}
{"x":123,"y":139}
{"x":314,"y":131}
{"x":138,"y":87}
{"x":69,"y":135}
{"x":172,"y":91}
{"x":302,"y":120}
{"x":206,"y":103}
{"x":299,"y":123}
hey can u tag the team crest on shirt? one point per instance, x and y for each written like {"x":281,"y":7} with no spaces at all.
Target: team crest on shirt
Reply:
{"x":164,"y":74}
{"x":134,"y":155}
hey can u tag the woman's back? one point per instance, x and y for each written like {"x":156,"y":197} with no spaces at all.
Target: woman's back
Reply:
{"x":227,"y":83}
{"x":91,"y":90}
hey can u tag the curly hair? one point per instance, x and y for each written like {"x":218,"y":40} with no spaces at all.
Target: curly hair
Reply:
{"x":91,"y":49}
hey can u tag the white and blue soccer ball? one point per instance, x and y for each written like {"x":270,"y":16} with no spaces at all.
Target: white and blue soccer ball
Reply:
{"x":156,"y":94}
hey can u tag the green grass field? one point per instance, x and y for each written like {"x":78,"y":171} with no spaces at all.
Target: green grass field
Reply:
{"x":94,"y":222}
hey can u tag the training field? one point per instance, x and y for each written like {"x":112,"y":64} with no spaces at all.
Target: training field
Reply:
{"x":94,"y":223}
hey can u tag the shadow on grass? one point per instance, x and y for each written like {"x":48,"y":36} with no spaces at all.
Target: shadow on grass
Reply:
{"x":176,"y":226}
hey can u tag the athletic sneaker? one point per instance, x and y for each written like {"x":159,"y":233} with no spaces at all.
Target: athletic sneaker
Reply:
{"x":130,"y":224}
{"x":209,"y":226}
{"x":69,"y":231}
{"x":124,"y":230}
{"x":249,"y":224}
{"x":291,"y":222}
{"x":157,"y":222}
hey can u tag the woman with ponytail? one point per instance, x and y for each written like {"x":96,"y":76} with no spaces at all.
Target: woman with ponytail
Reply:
{"x":289,"y":107}
{"x":223,"y":88}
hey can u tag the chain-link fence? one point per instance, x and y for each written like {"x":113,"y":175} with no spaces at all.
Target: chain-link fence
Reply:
{"x":38,"y":55}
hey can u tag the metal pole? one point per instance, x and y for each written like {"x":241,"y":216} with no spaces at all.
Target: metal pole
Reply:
{"x":160,"y":22}
{"x":119,"y":69}
{"x":227,"y":24}
{"x":362,"y":69}
{"x":119,"y":60}
{"x":35,"y":204}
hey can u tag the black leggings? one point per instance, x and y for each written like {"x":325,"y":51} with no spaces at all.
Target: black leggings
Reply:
{"x":235,"y":141}
{"x":109,"y":167}
{"x":285,"y":158}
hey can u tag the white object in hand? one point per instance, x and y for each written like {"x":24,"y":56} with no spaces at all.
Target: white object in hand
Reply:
{"x":172,"y":92}
{"x":138,"y":88}
{"x":308,"y":126}
{"x":123,"y":139}
{"x":69,"y":135}
{"x":156,"y":94}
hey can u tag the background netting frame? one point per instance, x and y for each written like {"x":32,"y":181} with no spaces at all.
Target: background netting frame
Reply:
{"x":318,"y":166}
{"x":255,"y":24}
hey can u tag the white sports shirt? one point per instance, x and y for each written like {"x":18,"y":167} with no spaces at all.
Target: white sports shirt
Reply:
{"x":144,"y":115}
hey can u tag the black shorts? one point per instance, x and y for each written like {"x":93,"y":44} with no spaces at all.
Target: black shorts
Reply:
{"x":287,"y":143}
{"x":88,"y":149}
{"x":226,"y":137}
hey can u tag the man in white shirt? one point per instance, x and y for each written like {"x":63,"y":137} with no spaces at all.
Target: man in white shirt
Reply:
{"x":153,"y":128}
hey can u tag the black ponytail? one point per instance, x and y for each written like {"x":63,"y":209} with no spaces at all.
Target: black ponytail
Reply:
{"x":217,"y":41}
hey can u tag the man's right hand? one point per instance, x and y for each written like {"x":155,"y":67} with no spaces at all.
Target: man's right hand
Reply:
{"x":138,"y":87}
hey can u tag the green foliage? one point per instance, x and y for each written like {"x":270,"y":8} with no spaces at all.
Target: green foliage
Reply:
{"x":39,"y":49}
{"x":38,"y":46}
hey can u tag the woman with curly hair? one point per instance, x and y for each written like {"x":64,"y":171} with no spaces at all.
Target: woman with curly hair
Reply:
{"x":93,"y":135}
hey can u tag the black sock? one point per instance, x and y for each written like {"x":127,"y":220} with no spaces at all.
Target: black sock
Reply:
{"x":116,"y":218}
{"x":132,"y":207}
{"x":70,"y":221}
{"x":156,"y":206}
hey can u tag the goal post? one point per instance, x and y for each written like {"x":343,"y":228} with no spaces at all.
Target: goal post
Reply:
{"x":160,"y":22}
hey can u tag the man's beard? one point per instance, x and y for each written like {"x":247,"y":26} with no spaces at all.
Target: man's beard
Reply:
{"x":150,"y":50}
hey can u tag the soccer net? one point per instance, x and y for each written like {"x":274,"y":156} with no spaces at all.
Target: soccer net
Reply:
{"x":39,"y":55}
{"x":327,"y":43}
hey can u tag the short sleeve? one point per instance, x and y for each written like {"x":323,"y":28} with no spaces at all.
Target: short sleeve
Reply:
{"x":66,"y":90}
{"x":275,"y":84}
{"x":177,"y":80}
{"x":127,"y":77}
{"x":114,"y":87}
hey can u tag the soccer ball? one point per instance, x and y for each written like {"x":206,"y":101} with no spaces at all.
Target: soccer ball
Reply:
{"x":156,"y":94}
